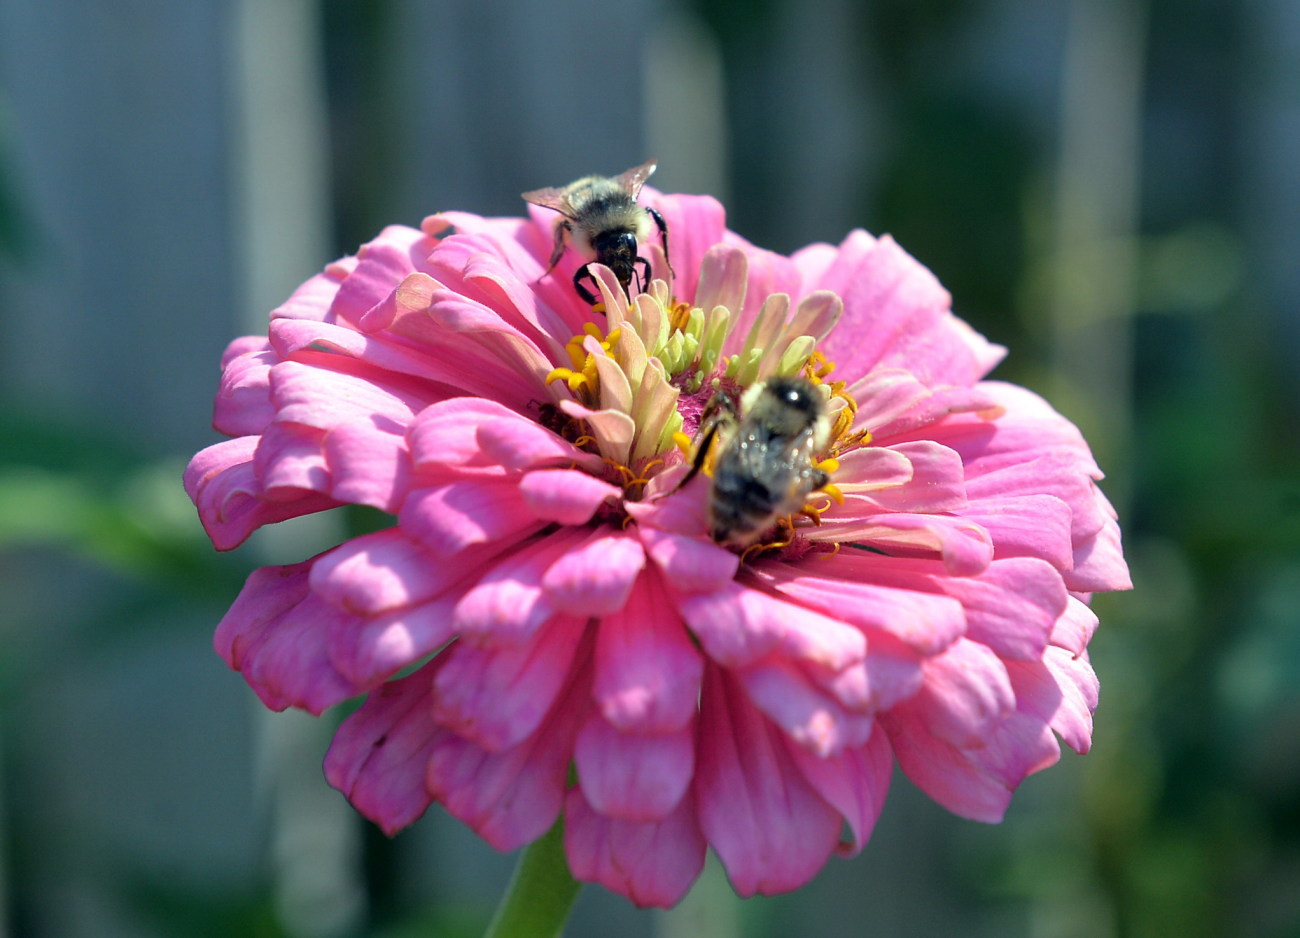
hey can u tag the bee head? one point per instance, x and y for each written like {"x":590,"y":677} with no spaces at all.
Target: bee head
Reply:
{"x":788,"y":405}
{"x":617,"y":251}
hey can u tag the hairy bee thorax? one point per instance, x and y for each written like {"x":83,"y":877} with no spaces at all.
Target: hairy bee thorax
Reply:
{"x":603,"y":220}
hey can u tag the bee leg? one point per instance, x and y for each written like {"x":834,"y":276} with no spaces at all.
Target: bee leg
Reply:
{"x":643,"y":275}
{"x":587,"y":295}
{"x":719,"y":410}
{"x":663,"y":235}
{"x":561,"y":229}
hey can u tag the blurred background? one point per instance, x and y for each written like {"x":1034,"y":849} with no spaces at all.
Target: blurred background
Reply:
{"x":1108,"y":187}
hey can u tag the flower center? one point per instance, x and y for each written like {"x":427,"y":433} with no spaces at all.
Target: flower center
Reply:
{"x":650,"y":376}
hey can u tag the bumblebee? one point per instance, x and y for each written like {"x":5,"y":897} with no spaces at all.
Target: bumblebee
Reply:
{"x":764,"y":469}
{"x":605,"y":223}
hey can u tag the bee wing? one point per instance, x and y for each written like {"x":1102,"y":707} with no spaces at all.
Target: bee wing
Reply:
{"x":551,"y":197}
{"x":633,"y":179}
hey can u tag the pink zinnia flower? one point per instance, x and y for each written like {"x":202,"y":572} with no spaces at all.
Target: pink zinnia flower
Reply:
{"x":547,"y":627}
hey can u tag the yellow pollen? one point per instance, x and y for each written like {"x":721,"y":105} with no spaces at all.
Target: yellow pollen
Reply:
{"x":631,"y":479}
{"x":582,"y":375}
{"x":833,"y":490}
{"x":679,"y":317}
{"x":842,"y":440}
{"x":818,"y":367}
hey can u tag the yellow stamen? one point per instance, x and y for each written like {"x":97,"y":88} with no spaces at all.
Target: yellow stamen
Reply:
{"x":679,"y":317}
{"x":818,"y":367}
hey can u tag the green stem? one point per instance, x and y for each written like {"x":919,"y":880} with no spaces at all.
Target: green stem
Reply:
{"x":541,"y":893}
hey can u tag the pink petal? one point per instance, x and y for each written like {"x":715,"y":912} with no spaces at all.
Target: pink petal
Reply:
{"x":647,"y":669}
{"x":965,"y":548}
{"x":897,"y":314}
{"x":690,"y":564}
{"x":722,"y":278}
{"x":1015,"y":426}
{"x":944,"y":772}
{"x":386,"y":570}
{"x":290,"y":460}
{"x":243,"y":403}
{"x":324,"y":399}
{"x":966,"y":694}
{"x":380,"y":264}
{"x":224,"y":486}
{"x":903,"y":605}
{"x":883,"y":394}
{"x":695,"y":224}
{"x":812,"y":261}
{"x":508,"y":603}
{"x":312,"y":300}
{"x":916,"y":421}
{"x":367,"y":466}
{"x":1052,"y":474}
{"x":767,"y":824}
{"x":1079,"y":690}
{"x":496,"y":697}
{"x":1099,"y":563}
{"x":977,"y":783}
{"x":446,"y":433}
{"x":936,"y":482}
{"x":274,"y":635}
{"x":451,"y":518}
{"x":565,"y":496}
{"x":246,"y":346}
{"x":769,"y":274}
{"x":517,"y":359}
{"x":424,"y":373}
{"x":374,"y":649}
{"x":854,"y":782}
{"x":667,"y":509}
{"x":891,"y":674}
{"x":1012,"y":606}
{"x":1074,"y":629}
{"x":1026,"y":526}
{"x":634,"y":776}
{"x":873,"y":467}
{"x":488,"y":269}
{"x":808,"y":714}
{"x":467,"y":346}
{"x":515,"y":443}
{"x":595,"y":578}
{"x":652,"y":863}
{"x":378,"y":756}
{"x":737,"y":625}
{"x":510,"y":797}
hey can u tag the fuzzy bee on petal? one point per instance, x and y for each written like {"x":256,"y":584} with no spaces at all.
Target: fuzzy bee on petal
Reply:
{"x":764,"y":469}
{"x":605,"y":223}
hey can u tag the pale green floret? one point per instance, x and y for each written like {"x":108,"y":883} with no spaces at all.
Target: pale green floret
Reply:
{"x":679,"y":352}
{"x":638,"y":370}
{"x":796,"y":355}
{"x":772,"y":347}
{"x":714,"y":332}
